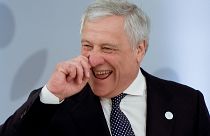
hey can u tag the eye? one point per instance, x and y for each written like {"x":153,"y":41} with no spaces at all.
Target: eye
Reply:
{"x":87,"y":47}
{"x":108,"y":49}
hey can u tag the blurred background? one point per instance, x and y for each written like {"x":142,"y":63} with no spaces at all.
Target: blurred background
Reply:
{"x":35,"y":35}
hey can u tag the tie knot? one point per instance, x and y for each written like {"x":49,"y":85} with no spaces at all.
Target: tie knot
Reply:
{"x":117,"y":99}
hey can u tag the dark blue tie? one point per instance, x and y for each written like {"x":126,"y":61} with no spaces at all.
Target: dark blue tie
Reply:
{"x":119,"y":123}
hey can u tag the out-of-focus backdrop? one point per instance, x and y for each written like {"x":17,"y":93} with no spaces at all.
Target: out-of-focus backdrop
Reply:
{"x":35,"y":35}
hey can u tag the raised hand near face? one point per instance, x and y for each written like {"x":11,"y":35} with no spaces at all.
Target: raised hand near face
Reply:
{"x":69,"y":77}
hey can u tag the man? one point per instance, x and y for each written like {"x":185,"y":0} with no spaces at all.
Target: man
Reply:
{"x":78,"y":98}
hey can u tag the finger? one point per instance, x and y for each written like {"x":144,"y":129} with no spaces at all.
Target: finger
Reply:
{"x":67,"y":69}
{"x":71,"y":72}
{"x":79,"y":71}
{"x":78,"y":68}
{"x":86,"y":68}
{"x":85,"y":79}
{"x":59,"y":68}
{"x":83,"y":61}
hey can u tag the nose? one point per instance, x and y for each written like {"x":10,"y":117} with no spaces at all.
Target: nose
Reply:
{"x":95,"y":59}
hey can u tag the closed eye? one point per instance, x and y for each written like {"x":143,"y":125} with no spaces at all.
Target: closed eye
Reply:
{"x":108,"y":49}
{"x":87,"y":47}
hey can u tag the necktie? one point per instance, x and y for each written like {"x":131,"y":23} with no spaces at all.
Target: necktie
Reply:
{"x":119,"y":123}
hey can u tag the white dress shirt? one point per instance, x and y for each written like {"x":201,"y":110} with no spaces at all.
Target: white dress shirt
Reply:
{"x":132,"y":105}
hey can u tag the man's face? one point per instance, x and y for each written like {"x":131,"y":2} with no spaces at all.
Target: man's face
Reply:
{"x":114,"y":64}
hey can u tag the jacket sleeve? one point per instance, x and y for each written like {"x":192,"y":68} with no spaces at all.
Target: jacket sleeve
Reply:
{"x":203,"y":120}
{"x":30,"y":115}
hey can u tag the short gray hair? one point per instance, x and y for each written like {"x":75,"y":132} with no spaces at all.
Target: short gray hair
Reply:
{"x":137,"y":25}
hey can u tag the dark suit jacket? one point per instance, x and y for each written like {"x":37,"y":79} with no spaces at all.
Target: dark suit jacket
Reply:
{"x":82,"y":114}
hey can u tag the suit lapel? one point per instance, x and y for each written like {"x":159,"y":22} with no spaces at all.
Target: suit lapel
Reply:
{"x":88,"y":115}
{"x":158,"y":103}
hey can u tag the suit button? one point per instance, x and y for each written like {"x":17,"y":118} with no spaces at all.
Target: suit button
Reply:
{"x":169,"y":115}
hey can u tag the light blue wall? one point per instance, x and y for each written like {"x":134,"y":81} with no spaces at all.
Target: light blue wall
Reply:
{"x":35,"y":35}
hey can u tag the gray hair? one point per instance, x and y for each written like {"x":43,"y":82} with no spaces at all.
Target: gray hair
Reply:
{"x":136,"y":26}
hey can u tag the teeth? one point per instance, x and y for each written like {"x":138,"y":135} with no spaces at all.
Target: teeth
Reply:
{"x":102,"y":72}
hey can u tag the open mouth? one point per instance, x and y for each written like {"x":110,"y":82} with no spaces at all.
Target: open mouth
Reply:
{"x":101,"y":74}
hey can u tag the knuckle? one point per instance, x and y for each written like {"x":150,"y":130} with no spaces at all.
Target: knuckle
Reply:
{"x":58,"y":66}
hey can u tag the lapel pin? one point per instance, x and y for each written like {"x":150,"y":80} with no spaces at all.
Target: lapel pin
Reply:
{"x":169,"y":115}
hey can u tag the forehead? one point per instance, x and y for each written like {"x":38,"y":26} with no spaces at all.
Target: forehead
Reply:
{"x":108,"y":23}
{"x":103,"y":29}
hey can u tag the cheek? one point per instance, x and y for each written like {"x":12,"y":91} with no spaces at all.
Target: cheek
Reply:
{"x":115,"y":64}
{"x":84,"y":53}
{"x":118,"y":65}
{"x":126,"y":68}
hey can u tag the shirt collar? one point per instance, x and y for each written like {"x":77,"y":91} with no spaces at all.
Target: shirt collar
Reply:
{"x":138,"y":86}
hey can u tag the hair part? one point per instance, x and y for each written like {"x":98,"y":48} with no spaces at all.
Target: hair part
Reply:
{"x":136,"y":25}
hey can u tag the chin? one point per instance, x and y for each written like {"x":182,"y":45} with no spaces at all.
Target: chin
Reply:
{"x":100,"y":93}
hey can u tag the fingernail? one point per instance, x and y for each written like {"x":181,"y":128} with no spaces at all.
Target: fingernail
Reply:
{"x":88,"y":74}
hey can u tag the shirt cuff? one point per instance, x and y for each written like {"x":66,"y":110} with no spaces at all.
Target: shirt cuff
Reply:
{"x":47,"y":97}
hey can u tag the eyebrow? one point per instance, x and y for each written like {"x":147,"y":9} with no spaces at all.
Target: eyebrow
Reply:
{"x":103,"y":44}
{"x":85,"y":41}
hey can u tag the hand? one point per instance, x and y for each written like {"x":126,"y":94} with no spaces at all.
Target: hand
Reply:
{"x":69,"y":77}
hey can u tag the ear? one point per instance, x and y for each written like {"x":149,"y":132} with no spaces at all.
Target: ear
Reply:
{"x":140,"y":51}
